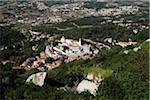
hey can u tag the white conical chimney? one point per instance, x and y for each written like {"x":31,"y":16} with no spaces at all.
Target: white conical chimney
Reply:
{"x":79,"y":42}
{"x":62,"y":39}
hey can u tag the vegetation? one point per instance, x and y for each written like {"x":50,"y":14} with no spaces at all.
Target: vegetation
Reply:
{"x":92,"y":28}
{"x":128,"y":81}
{"x":126,"y":76}
{"x":96,"y":5}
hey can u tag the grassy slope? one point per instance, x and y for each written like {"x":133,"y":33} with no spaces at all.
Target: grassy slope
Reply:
{"x":128,"y":81}
{"x":130,"y":78}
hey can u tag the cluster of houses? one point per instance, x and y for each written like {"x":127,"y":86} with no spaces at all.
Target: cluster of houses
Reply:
{"x":135,"y":49}
{"x":120,"y":43}
{"x":63,"y":50}
{"x":117,"y":11}
{"x":36,"y":13}
{"x":125,"y":44}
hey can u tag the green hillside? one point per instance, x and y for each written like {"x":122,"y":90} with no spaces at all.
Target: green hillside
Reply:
{"x":129,"y":79}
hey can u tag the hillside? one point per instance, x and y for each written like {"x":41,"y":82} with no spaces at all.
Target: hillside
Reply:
{"x":128,"y":80}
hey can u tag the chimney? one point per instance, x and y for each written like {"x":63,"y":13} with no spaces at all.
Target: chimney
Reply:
{"x":80,"y":41}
